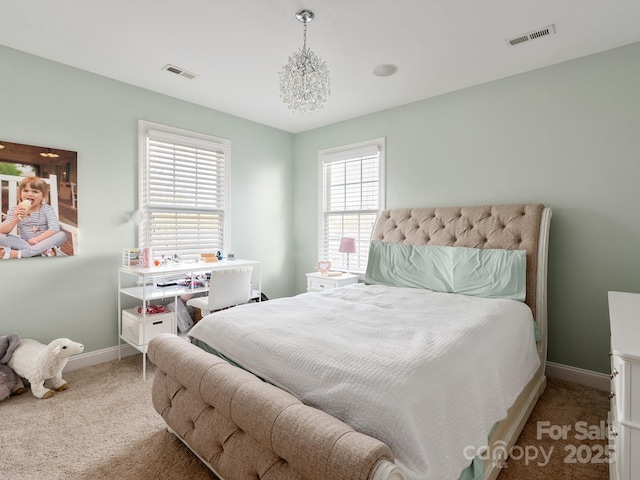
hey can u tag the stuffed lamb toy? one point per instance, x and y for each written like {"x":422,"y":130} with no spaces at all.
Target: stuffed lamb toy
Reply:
{"x":40,"y":363}
{"x":8,"y":378}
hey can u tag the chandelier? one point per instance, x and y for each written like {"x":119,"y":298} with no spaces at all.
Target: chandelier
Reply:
{"x":304,"y":79}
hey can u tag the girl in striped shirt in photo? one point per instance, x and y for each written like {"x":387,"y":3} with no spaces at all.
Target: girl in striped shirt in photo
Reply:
{"x":38,"y":227}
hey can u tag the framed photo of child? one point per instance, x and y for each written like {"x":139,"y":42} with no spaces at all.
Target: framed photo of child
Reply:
{"x":38,"y":201}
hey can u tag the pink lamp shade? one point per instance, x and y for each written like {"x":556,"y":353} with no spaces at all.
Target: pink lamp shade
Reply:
{"x":347,"y":245}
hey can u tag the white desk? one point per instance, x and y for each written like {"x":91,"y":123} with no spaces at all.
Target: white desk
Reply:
{"x":143,"y":288}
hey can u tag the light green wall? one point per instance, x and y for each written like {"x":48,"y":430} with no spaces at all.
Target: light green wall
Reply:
{"x":567,"y":136}
{"x":49,"y":104}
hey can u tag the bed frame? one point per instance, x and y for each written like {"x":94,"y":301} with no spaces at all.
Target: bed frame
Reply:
{"x":243,"y":428}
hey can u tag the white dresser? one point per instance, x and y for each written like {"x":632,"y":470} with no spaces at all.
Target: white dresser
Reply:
{"x":624,"y":434}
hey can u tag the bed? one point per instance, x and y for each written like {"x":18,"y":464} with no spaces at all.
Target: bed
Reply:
{"x":281,"y":422}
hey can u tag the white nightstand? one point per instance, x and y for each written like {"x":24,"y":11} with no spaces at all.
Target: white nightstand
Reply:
{"x":316,"y":282}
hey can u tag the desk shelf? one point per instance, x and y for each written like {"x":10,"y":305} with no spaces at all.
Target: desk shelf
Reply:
{"x":145,"y":291}
{"x":155,"y":293}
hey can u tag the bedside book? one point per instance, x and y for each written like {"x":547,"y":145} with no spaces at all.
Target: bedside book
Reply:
{"x":332,"y":274}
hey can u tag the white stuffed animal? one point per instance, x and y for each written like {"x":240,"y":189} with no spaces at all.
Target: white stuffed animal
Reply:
{"x":40,"y":363}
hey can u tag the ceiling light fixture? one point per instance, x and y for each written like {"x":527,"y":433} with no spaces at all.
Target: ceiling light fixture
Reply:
{"x":304,"y":79}
{"x":49,"y":154}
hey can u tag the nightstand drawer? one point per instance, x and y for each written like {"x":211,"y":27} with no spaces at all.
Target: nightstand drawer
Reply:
{"x":320,"y":284}
{"x":317,"y":282}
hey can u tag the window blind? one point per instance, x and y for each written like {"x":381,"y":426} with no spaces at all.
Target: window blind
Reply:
{"x":351,"y":201}
{"x":183,"y":194}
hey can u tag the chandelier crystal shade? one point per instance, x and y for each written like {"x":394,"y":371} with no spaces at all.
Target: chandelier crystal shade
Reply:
{"x":304,"y":79}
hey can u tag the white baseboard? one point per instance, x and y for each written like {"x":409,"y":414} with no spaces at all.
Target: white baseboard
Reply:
{"x":99,"y":356}
{"x":601,"y":381}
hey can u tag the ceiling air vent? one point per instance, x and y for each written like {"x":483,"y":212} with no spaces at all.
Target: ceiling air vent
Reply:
{"x":527,"y":37}
{"x":179,"y":71}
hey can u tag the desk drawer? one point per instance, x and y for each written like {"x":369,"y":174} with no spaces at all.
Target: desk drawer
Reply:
{"x":133,"y":329}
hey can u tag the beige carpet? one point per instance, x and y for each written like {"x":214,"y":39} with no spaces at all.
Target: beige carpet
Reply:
{"x":566,"y":424}
{"x":104,"y":427}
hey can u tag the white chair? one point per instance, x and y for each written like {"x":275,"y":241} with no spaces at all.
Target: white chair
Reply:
{"x":74,"y":195}
{"x":227,"y":288}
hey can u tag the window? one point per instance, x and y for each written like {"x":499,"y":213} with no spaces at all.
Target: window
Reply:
{"x":352,"y":195}
{"x":183,"y":191}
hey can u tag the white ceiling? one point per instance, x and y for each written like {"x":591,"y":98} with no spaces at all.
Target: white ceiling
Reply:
{"x":237,"y":48}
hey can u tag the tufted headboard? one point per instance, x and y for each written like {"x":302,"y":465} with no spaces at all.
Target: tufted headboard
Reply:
{"x":511,"y":227}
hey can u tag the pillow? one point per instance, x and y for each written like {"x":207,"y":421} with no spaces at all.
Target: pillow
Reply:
{"x":491,"y":273}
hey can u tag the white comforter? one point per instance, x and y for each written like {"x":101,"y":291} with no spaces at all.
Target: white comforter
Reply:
{"x":427,"y":373}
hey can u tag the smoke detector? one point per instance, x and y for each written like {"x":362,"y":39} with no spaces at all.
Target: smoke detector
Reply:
{"x":385,"y":70}
{"x":179,"y":71}
{"x":527,"y":37}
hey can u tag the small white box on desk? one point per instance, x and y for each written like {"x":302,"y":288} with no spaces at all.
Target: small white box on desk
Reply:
{"x":155,"y":324}
{"x":131,"y":257}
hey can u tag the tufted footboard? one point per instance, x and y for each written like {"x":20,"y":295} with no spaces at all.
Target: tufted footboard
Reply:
{"x":244,"y":428}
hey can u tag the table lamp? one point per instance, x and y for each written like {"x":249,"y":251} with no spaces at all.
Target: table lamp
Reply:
{"x":347,"y":245}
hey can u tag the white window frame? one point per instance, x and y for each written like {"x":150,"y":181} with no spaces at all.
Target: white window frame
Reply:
{"x":328,"y":247}
{"x":192,"y":139}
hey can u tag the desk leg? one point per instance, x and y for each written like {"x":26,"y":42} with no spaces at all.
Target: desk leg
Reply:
{"x":119,"y":315}
{"x":174,"y":326}
{"x":144,"y":345}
